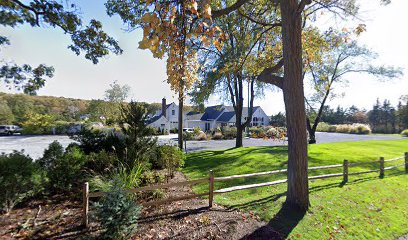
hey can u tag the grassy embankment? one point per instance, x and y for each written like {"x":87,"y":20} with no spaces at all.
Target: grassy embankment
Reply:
{"x":367,"y":207}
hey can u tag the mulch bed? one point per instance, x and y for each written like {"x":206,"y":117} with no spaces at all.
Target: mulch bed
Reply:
{"x":60,"y":218}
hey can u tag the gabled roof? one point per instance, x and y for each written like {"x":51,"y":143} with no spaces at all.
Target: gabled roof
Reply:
{"x":223,"y":113}
{"x":212,"y":112}
{"x":226,"y":117}
{"x":153,"y":119}
{"x":194,"y":117}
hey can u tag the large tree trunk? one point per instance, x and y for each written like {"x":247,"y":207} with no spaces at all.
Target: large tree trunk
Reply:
{"x":180,"y":121}
{"x":298,"y":185}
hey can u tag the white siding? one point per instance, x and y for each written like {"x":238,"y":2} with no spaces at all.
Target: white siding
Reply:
{"x":161,"y":123}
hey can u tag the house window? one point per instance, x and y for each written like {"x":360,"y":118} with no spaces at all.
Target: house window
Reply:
{"x":173,"y":112}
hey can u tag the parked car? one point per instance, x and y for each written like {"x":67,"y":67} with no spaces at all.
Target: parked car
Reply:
{"x":9,"y":129}
{"x":188,"y":130}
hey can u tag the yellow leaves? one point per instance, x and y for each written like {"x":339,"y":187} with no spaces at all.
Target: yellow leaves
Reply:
{"x":218,"y":44}
{"x":194,"y":7}
{"x":207,"y":11}
{"x":150,"y":18}
{"x":360,"y":28}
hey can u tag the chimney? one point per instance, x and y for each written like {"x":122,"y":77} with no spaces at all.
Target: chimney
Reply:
{"x":164,"y":107}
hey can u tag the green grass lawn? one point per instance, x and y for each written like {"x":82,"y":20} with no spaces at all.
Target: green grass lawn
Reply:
{"x":367,"y":207}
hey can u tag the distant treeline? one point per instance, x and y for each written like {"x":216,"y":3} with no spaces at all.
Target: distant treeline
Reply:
{"x":18,"y":108}
{"x":382,"y":118}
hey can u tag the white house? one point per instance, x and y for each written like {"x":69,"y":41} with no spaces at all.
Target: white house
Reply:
{"x":220,"y":115}
{"x":166,"y":118}
{"x":213,"y":117}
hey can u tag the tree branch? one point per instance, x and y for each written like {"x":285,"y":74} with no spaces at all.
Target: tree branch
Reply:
{"x":268,"y":76}
{"x":302,"y":5}
{"x":276,"y":24}
{"x":233,"y":7}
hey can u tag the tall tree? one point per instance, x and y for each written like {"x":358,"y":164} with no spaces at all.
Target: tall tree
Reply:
{"x":91,"y":39}
{"x":169,"y":29}
{"x":340,"y":57}
{"x":229,"y":69}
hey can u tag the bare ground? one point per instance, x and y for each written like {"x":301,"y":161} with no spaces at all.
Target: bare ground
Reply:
{"x":60,"y":218}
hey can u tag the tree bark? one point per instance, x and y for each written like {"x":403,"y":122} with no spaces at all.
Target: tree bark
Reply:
{"x":298,"y":185}
{"x":180,"y":121}
{"x":311,"y":131}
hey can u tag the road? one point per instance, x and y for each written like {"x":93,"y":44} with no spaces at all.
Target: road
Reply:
{"x":35,"y":145}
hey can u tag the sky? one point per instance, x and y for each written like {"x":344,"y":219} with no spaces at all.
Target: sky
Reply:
{"x":76,"y":77}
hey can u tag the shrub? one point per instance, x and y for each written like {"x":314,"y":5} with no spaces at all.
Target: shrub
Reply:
{"x":170,"y":158}
{"x":67,"y":172}
{"x":51,"y":154}
{"x":360,"y":129}
{"x":95,"y":140}
{"x":197,"y":131}
{"x":405,"y":133}
{"x":101,"y":162}
{"x":36,"y":123}
{"x":20,"y":178}
{"x":117,"y":213}
{"x":343,"y":128}
{"x":276,"y":133}
{"x":188,"y":136}
{"x":229,"y":132}
{"x":257,"y":132}
{"x":201,"y":137}
{"x":217,"y":136}
{"x":61,"y":127}
{"x":325,"y":127}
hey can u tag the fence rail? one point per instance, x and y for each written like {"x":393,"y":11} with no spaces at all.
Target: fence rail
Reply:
{"x":211,"y":180}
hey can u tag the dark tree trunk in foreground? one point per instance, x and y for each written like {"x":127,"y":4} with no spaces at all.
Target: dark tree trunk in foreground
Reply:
{"x":298,"y":185}
{"x":180,"y":121}
{"x":311,"y":131}
{"x":236,"y":89}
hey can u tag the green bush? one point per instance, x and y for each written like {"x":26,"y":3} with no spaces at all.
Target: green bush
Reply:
{"x":53,"y":153}
{"x":101,"y":162}
{"x":37,"y":123}
{"x":96,"y":140}
{"x":325,"y":127}
{"x":20,"y":178}
{"x":405,"y":133}
{"x":197,"y":131}
{"x":188,"y":136}
{"x":67,"y":172}
{"x":170,"y":158}
{"x":229,"y":132}
{"x":117,"y":213}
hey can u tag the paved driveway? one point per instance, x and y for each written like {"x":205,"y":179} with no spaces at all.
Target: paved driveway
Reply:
{"x":250,"y":142}
{"x":35,"y":145}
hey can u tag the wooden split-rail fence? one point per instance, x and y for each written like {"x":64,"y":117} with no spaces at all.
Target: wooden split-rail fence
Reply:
{"x":211,"y":180}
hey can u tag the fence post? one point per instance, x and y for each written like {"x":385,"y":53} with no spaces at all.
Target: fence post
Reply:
{"x":211,"y":192}
{"x":345,"y":171}
{"x":381,"y":167}
{"x":406,"y":162}
{"x":85,"y":204}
